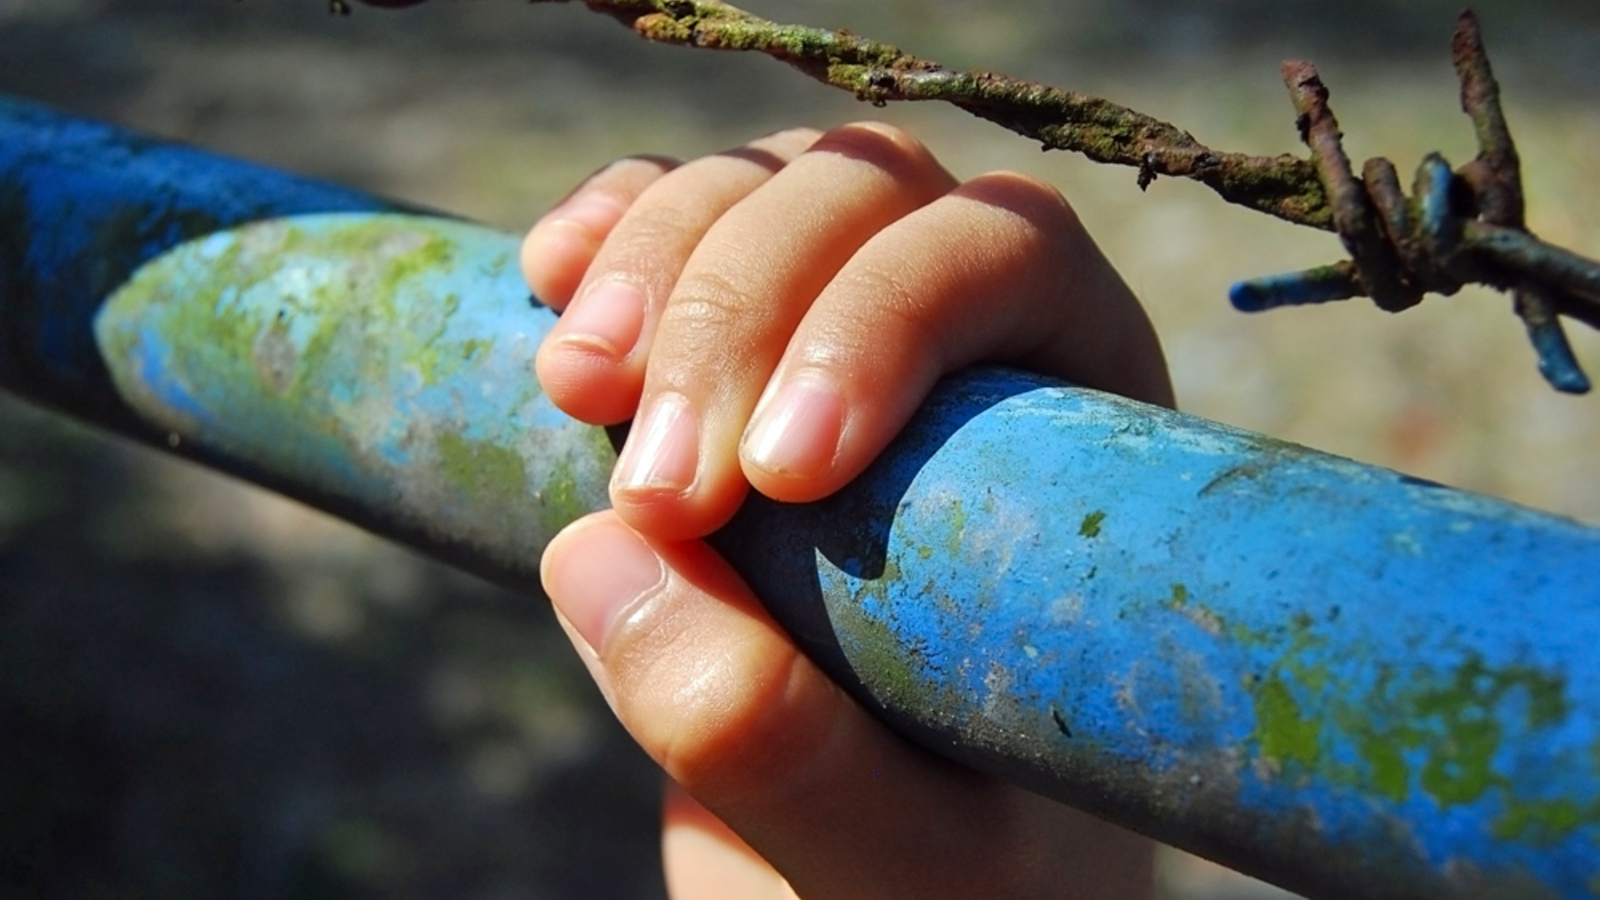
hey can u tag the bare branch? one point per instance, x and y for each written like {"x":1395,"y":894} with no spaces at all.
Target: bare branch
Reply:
{"x":1456,"y":227}
{"x":1283,"y":186}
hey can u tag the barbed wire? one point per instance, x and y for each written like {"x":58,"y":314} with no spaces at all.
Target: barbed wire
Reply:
{"x":1457,"y":227}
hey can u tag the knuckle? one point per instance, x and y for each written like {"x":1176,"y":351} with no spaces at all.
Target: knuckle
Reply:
{"x":650,"y":225}
{"x":648,"y":164}
{"x":703,"y":303}
{"x":891,"y":134}
{"x":645,"y":239}
{"x":627,"y":176}
{"x":1024,"y":183}
{"x":1024,"y":195}
{"x":800,"y":134}
{"x":880,"y":144}
{"x":893,"y":304}
{"x":705,"y":332}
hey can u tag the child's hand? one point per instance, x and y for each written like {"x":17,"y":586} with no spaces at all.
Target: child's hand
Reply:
{"x":772,"y":316}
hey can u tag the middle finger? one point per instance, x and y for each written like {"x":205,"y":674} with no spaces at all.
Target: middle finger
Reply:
{"x":592,"y":363}
{"x":739,"y":298}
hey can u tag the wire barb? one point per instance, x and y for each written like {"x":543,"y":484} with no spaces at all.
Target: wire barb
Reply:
{"x":1458,"y":227}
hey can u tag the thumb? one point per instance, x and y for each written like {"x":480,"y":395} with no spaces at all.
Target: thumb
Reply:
{"x":719,"y":696}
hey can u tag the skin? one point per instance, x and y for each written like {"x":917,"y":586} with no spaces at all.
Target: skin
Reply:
{"x":770,"y":317}
{"x":793,"y":300}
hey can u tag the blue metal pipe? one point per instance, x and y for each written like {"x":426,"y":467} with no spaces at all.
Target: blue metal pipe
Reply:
{"x":1338,"y":678}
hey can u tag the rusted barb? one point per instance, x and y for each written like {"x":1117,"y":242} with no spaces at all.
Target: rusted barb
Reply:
{"x":1353,"y":214}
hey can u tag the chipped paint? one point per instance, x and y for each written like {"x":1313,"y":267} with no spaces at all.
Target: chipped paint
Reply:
{"x":83,"y":205}
{"x":1331,"y":676}
{"x":365,"y":360}
{"x":384,"y":358}
{"x":1256,"y":661}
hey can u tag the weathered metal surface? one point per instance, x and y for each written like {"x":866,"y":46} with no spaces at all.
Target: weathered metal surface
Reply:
{"x":380,"y":365}
{"x":1332,"y":676}
{"x":1350,"y":682}
{"x":84,"y":204}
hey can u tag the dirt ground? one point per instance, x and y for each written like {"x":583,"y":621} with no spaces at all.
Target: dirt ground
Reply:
{"x":206,"y":691}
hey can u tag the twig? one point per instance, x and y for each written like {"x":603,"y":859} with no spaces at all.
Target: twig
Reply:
{"x":1456,"y":228}
{"x":1283,"y":186}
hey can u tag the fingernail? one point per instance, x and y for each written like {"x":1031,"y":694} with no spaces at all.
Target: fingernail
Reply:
{"x":796,"y":431}
{"x":608,"y":317}
{"x":602,"y":571}
{"x":662,"y":452}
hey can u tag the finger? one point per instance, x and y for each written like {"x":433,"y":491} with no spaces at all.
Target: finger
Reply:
{"x":562,"y":244}
{"x":719,"y":696}
{"x":592,"y":363}
{"x":998,"y":270}
{"x":733,"y":308}
{"x":705,"y":860}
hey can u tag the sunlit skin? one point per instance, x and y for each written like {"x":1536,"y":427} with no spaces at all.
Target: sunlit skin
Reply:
{"x":769,"y":317}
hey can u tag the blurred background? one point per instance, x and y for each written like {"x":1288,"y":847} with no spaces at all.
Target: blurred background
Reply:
{"x":207,"y":691}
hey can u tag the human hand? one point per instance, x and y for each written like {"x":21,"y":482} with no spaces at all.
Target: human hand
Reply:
{"x":775,"y":314}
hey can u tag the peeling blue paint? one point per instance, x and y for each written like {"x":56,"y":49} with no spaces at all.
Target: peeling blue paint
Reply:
{"x":84,"y":204}
{"x":1360,"y":685}
{"x":382,"y":361}
{"x":1331,"y":676}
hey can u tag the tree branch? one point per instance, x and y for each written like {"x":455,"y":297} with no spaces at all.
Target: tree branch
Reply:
{"x":1283,"y":186}
{"x":1456,"y":227}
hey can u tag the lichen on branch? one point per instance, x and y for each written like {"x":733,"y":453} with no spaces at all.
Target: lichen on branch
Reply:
{"x":1456,"y":228}
{"x":1284,"y":186}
